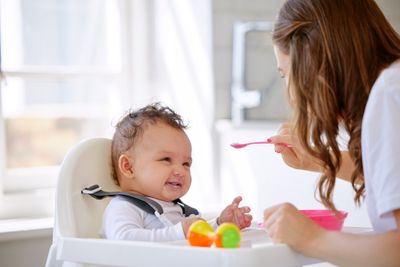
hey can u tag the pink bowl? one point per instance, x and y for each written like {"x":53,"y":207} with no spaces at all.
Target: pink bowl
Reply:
{"x":327,"y":218}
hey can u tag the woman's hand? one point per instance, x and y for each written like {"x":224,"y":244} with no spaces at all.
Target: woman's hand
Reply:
{"x":285,"y":224}
{"x":235,"y":214}
{"x":288,"y":145}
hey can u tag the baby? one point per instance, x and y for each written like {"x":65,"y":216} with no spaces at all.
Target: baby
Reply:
{"x":152,"y":156}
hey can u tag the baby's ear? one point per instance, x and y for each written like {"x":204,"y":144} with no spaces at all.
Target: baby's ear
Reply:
{"x":125,"y":166}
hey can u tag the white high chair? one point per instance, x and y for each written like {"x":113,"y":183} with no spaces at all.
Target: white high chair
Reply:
{"x":76,"y":240}
{"x":79,"y":216}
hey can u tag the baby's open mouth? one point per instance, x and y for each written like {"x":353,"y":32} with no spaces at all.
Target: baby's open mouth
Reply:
{"x":174,"y":184}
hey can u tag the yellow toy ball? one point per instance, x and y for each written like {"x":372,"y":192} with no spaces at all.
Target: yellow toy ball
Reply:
{"x":227,"y":236}
{"x":200,"y":234}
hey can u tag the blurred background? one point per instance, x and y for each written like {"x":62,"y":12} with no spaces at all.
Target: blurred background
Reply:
{"x":72,"y":68}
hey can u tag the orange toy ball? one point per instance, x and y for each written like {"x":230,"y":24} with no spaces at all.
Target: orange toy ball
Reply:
{"x":227,"y":236}
{"x":200,"y":234}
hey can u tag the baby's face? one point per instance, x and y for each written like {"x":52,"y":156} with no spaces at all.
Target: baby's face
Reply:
{"x":161,"y":161}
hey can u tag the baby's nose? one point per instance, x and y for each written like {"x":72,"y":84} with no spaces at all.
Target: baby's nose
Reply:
{"x":179,"y":171}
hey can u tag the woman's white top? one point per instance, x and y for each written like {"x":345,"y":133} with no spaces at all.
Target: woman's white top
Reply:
{"x":380,"y":143}
{"x":123,"y":220}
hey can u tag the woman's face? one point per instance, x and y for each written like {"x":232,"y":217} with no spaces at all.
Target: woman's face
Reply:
{"x":283,"y":65}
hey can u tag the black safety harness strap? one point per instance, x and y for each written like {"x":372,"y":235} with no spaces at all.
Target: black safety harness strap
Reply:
{"x":186,"y":209}
{"x":146,"y":204}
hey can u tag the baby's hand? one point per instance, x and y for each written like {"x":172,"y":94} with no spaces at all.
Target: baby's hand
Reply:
{"x":235,"y":214}
{"x":187,"y":222}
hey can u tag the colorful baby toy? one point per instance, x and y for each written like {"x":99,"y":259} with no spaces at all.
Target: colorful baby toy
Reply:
{"x":201,"y":234}
{"x":227,"y":236}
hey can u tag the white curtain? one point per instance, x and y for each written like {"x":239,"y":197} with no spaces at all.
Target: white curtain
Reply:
{"x":172,"y":63}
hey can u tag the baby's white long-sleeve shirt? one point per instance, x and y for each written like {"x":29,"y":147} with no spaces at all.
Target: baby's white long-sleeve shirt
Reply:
{"x":123,"y":220}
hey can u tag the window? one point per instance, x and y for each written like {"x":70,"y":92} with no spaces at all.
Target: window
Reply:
{"x":71,"y":68}
{"x":62,"y":74}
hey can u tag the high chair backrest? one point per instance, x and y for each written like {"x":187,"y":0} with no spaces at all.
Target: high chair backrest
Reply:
{"x":87,"y":163}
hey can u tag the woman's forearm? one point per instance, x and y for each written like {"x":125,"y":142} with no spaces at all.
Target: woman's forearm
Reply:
{"x":365,"y":250}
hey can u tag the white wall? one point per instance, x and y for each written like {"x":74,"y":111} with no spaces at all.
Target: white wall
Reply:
{"x":261,"y":73}
{"x":26,"y":250}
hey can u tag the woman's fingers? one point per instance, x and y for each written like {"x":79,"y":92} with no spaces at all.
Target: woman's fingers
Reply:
{"x":285,"y":129}
{"x":284,"y":140}
{"x":276,"y":221}
{"x":270,"y":215}
{"x":269,"y":211}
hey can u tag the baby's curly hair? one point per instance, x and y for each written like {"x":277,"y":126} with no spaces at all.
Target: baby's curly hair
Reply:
{"x":131,"y":127}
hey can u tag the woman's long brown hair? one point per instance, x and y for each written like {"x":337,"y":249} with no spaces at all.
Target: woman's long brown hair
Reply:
{"x":337,"y":49}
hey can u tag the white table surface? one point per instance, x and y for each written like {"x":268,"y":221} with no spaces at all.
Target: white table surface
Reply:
{"x":256,"y":251}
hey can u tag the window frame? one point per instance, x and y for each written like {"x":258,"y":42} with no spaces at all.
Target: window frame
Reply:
{"x":34,"y":188}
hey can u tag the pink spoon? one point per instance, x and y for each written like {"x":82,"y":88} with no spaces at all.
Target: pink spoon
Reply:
{"x":241,"y":145}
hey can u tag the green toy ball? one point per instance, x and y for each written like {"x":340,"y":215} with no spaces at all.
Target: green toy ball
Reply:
{"x":227,"y":236}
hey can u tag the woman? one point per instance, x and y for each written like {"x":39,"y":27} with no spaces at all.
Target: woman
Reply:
{"x":341,"y":62}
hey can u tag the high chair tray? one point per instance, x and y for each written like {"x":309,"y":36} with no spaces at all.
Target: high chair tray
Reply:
{"x":256,"y":251}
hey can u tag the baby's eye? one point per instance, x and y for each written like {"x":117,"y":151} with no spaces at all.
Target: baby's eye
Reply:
{"x":187,"y":164}
{"x":167,"y":159}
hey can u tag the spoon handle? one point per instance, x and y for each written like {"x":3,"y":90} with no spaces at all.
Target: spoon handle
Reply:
{"x":258,"y":142}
